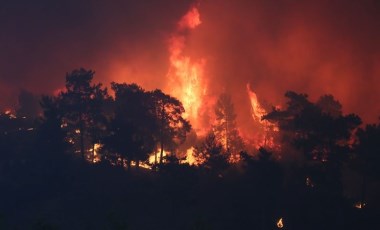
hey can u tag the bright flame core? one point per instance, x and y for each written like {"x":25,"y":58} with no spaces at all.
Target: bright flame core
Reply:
{"x":185,"y":80}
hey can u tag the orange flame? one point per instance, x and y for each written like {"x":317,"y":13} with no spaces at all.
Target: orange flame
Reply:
{"x":360,"y":205}
{"x":263,"y":137}
{"x":280,"y":223}
{"x":257,"y":111}
{"x":185,"y":80}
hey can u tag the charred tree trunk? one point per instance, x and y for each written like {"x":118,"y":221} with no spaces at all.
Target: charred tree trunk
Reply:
{"x":162,"y":132}
{"x":162,"y":152}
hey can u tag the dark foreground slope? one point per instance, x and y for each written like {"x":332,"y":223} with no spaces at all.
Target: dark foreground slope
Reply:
{"x":76,"y":195}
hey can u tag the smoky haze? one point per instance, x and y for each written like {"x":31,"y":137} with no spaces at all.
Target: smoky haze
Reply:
{"x":122,"y":41}
{"x":314,"y":47}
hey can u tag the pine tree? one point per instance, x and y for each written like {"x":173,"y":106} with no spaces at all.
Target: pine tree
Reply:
{"x":225,"y":128}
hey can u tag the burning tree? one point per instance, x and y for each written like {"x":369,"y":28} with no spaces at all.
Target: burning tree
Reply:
{"x":81,"y":104}
{"x":210,"y":154}
{"x":225,"y":128}
{"x":320,"y":131}
{"x":131,"y":131}
{"x":172,"y":126}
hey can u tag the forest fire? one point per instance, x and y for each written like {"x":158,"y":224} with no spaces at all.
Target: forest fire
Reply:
{"x":190,"y":114}
{"x":154,"y":158}
{"x":265,"y":129}
{"x":187,"y":82}
{"x":185,"y":76}
{"x":190,"y":158}
{"x":257,"y":111}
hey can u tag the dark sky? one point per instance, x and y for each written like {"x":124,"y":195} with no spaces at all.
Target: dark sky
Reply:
{"x":314,"y":47}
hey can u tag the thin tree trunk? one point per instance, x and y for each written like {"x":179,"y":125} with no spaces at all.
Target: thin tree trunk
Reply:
{"x":162,"y":152}
{"x":137,"y":164}
{"x":162,"y":133}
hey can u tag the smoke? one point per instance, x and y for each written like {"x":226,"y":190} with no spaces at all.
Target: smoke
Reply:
{"x":121,"y":40}
{"x":315,"y":47}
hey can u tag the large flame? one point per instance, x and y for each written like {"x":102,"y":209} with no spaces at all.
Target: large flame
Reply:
{"x":257,"y":110}
{"x":263,"y":135}
{"x":185,"y":76}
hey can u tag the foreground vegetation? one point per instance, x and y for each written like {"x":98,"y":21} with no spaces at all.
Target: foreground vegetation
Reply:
{"x":323,"y":176}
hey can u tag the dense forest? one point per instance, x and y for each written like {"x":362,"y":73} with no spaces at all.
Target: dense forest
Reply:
{"x":90,"y":158}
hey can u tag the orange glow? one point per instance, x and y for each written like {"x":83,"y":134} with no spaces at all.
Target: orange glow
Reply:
{"x":190,"y":20}
{"x":96,"y":156}
{"x":280,"y":223}
{"x":152,"y":157}
{"x":10,"y":114}
{"x":141,"y":165}
{"x":257,"y":111}
{"x":185,"y":76}
{"x":359,"y":205}
{"x":190,"y":158}
{"x":262,"y":136}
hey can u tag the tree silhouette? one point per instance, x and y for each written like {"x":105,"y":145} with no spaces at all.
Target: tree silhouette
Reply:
{"x":50,"y":135}
{"x":225,"y":128}
{"x":315,"y":128}
{"x":367,"y":155}
{"x":28,"y":105}
{"x":133,"y":124}
{"x":81,"y":104}
{"x":172,"y":128}
{"x":319,"y":131}
{"x":210,"y":154}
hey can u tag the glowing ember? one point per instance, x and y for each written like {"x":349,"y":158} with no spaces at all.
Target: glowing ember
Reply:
{"x":185,"y":80}
{"x":10,"y":114}
{"x":360,"y":205}
{"x":309,"y":183}
{"x":280,"y":223}
{"x":141,"y":165}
